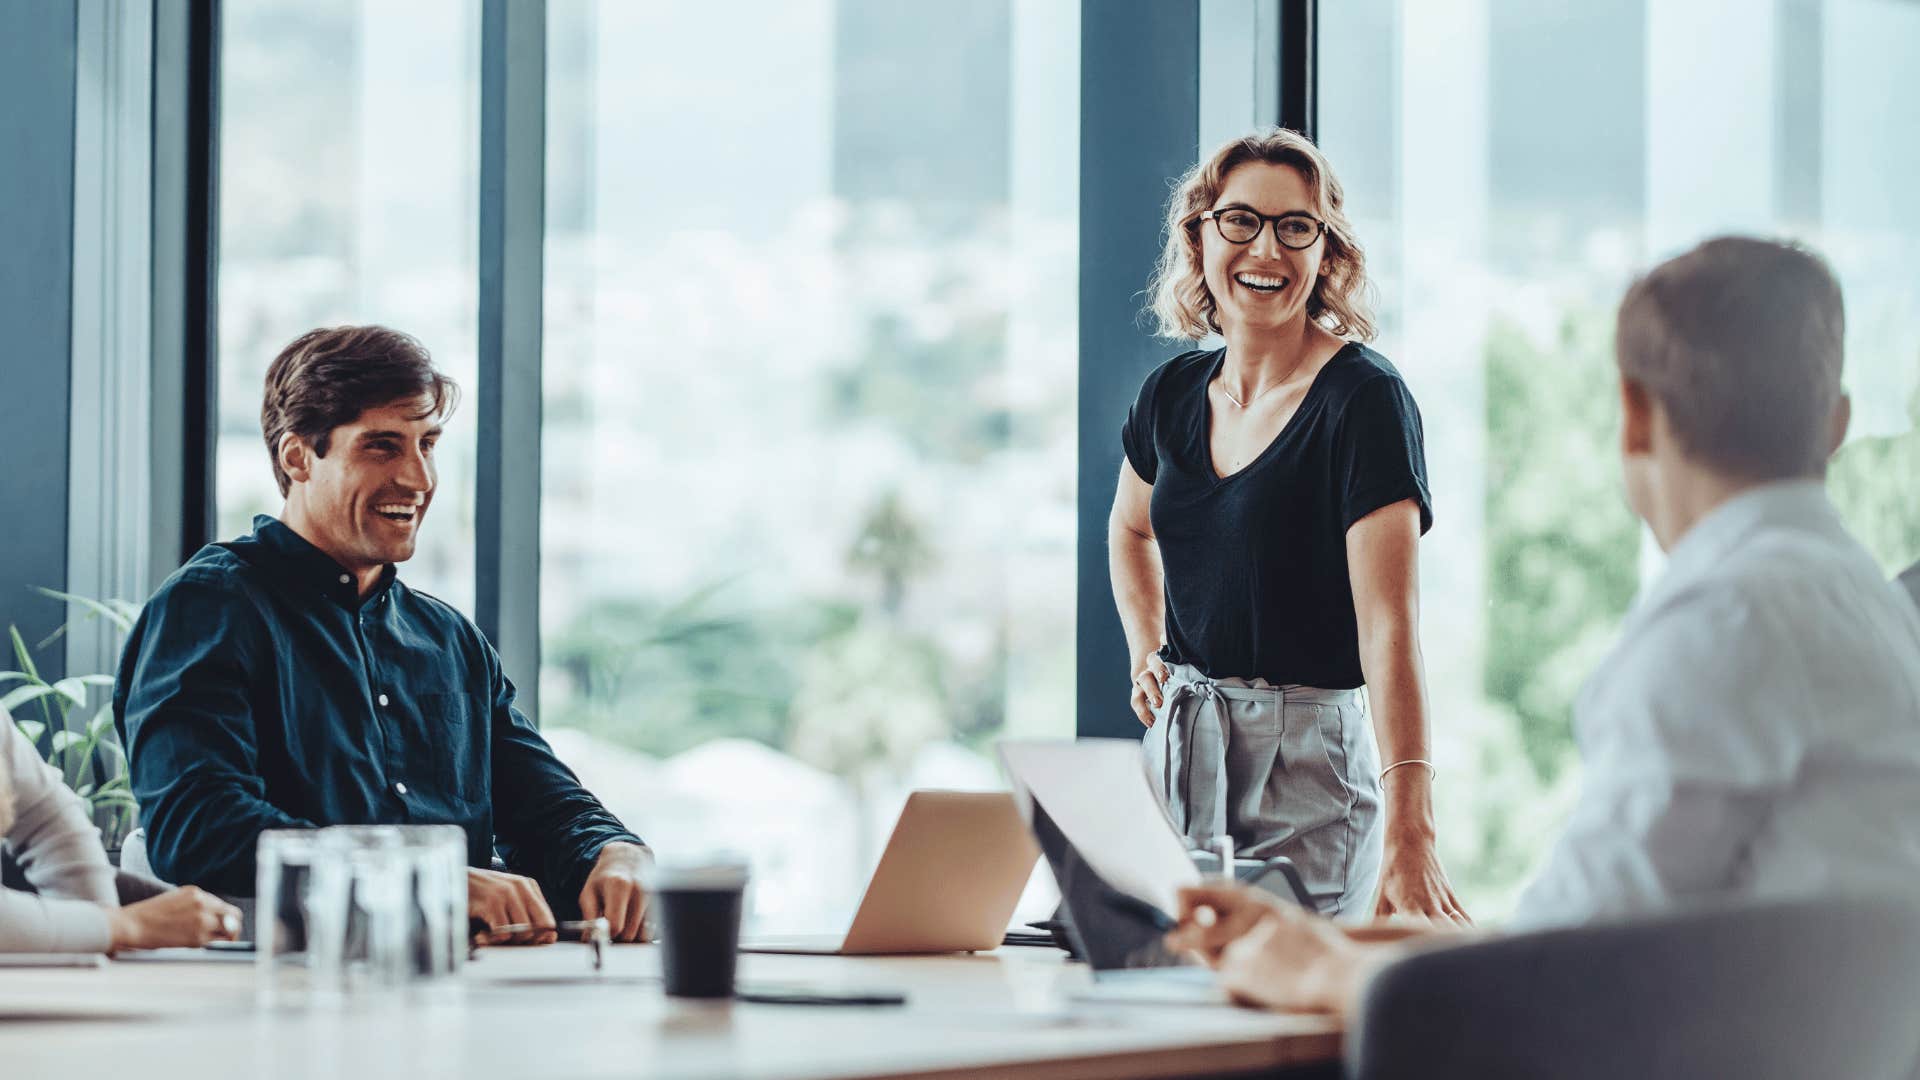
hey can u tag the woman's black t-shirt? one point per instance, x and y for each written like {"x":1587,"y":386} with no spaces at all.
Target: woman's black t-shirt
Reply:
{"x":1256,"y":563}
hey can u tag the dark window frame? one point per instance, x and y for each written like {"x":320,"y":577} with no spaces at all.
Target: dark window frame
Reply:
{"x":1139,"y":128}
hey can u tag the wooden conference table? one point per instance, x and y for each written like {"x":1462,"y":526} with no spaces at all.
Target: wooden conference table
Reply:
{"x":539,"y":1012}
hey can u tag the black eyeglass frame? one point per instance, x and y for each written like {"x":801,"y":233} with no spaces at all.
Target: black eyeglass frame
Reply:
{"x":1266,"y":221}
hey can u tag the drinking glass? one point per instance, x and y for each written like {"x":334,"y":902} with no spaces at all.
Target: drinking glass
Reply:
{"x":365,"y":874}
{"x":436,"y":899}
{"x":287,"y":913}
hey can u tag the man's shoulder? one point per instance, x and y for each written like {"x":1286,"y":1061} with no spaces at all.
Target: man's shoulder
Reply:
{"x":1745,"y":653}
{"x":216,"y":569}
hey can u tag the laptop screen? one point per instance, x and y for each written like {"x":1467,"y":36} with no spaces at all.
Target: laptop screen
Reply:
{"x":1108,"y":927}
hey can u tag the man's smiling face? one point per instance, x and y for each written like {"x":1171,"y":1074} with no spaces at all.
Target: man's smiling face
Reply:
{"x":363,"y":501}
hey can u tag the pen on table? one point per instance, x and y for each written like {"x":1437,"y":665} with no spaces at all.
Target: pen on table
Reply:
{"x":571,"y":926}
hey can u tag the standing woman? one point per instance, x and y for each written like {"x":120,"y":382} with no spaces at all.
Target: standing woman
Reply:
{"x":1264,"y":542}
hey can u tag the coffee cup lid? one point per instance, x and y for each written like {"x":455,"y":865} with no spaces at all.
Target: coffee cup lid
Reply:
{"x":721,"y":870}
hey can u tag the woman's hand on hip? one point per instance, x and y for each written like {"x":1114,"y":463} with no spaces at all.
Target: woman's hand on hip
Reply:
{"x":1150,"y":674}
{"x":1413,"y":883}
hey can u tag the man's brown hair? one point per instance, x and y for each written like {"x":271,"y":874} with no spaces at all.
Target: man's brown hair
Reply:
{"x":1740,"y":340}
{"x":328,"y":377}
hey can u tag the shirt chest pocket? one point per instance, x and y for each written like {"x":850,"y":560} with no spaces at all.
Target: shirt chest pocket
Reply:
{"x":447,"y":733}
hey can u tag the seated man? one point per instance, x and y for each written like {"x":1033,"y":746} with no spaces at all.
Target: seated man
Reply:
{"x":288,"y":679}
{"x":1756,"y":732}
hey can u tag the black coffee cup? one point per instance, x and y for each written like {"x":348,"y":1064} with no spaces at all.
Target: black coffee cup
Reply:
{"x":698,"y":907}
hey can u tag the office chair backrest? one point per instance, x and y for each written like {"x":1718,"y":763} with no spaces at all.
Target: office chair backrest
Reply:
{"x":1787,"y":990}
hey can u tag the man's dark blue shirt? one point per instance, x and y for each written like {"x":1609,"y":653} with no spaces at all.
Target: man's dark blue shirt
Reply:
{"x":259,"y":690}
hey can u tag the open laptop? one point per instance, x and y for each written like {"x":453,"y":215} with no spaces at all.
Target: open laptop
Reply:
{"x":948,"y":881}
{"x":1121,"y":934}
{"x":1121,"y":938}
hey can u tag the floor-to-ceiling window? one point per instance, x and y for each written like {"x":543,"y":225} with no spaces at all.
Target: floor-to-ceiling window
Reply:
{"x":349,"y":159}
{"x":1510,"y":165}
{"x":808,"y":498}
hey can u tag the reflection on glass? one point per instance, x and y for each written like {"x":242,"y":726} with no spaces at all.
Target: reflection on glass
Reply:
{"x":1510,"y":165}
{"x":349,"y":160}
{"x":808,"y":506}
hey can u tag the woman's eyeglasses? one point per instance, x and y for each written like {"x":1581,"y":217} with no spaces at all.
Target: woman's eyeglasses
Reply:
{"x":1239,"y":226}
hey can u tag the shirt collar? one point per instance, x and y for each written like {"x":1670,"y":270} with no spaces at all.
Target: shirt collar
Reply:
{"x":304,"y":562}
{"x":1791,"y":504}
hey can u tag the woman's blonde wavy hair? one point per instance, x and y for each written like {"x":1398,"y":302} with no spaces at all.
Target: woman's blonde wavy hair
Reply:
{"x":1181,"y":302}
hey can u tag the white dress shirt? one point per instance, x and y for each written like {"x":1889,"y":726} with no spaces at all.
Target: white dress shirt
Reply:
{"x":1756,"y":731}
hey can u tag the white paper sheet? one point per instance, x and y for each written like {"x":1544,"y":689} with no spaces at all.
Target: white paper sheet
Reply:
{"x":1096,"y":791}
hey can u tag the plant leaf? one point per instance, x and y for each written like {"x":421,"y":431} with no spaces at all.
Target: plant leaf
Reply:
{"x":32,"y":729}
{"x":116,"y":797}
{"x":96,"y":680}
{"x":84,"y":790}
{"x":21,"y":654}
{"x":12,"y":676}
{"x":95,"y":608}
{"x":72,"y":689}
{"x":24,"y":695}
{"x":101,"y":722}
{"x":64,"y":739}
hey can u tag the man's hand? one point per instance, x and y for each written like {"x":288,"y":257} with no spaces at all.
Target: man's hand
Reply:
{"x":1213,"y":917}
{"x":614,"y":890}
{"x":499,"y":899}
{"x":1269,"y":953}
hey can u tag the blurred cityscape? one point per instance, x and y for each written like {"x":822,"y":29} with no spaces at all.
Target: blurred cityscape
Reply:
{"x":808,"y":510}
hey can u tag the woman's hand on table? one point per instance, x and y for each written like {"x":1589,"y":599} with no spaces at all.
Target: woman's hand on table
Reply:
{"x":1413,"y":884}
{"x":183,"y":918}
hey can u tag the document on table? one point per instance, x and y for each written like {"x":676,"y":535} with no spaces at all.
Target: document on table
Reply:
{"x":1096,"y":791}
{"x":51,"y":960}
{"x":190,"y":956}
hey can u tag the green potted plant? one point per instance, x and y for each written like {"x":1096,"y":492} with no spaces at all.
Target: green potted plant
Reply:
{"x":70,"y":721}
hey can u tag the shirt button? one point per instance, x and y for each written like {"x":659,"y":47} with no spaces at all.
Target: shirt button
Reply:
{"x":399,"y":788}
{"x":346,"y":579}
{"x":383,"y":702}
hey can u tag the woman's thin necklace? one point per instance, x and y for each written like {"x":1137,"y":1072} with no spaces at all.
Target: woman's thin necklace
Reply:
{"x":1243,"y":404}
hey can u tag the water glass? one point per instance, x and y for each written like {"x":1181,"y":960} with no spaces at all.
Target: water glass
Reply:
{"x":361,"y":880}
{"x":285,"y":906}
{"x":436,"y":899}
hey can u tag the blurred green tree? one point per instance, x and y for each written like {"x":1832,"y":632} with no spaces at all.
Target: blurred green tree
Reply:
{"x":1875,"y":483}
{"x":1562,"y":547}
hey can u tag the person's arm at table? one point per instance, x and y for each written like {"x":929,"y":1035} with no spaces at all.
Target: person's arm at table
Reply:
{"x":187,"y":723}
{"x":553,"y":830}
{"x":180,"y":918}
{"x":1383,"y":551}
{"x":52,"y":835}
{"x":1276,"y":955}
